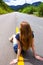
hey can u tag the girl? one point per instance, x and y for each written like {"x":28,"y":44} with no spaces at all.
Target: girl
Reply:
{"x":24,"y":41}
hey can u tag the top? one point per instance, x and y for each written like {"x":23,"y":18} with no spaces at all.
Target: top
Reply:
{"x":17,"y":37}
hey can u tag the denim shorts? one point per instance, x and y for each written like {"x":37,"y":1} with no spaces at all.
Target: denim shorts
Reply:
{"x":15,"y":47}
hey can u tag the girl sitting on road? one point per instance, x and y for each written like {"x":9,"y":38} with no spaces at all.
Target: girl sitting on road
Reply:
{"x":24,"y":41}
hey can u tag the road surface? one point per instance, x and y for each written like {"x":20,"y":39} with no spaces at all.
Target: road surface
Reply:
{"x":8,"y":24}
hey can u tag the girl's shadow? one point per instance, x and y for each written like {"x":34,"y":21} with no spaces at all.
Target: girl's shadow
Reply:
{"x":29,"y":58}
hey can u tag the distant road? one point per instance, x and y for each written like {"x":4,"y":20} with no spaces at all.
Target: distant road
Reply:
{"x":8,"y":24}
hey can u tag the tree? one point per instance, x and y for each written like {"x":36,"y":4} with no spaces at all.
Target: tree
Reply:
{"x":1,"y":1}
{"x":31,"y":9}
{"x":40,"y":9}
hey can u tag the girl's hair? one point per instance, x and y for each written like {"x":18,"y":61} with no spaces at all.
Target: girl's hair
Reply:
{"x":26,"y":34}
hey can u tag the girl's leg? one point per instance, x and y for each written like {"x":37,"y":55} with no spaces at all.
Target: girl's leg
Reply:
{"x":15,"y":47}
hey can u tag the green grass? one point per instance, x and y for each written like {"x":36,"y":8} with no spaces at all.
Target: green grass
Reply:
{"x":2,"y":11}
{"x":36,"y":13}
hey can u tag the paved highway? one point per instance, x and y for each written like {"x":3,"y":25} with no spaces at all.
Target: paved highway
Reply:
{"x":8,"y":24}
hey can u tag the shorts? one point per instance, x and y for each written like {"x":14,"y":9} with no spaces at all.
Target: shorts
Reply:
{"x":15,"y":47}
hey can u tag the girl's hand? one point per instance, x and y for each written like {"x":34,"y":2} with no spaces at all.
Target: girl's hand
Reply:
{"x":11,"y":40}
{"x":38,"y":57}
{"x":14,"y":61}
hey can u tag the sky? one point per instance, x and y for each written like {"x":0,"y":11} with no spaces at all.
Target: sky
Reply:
{"x":19,"y":2}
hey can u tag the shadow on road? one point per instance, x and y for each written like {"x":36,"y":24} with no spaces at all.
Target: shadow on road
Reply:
{"x":29,"y":58}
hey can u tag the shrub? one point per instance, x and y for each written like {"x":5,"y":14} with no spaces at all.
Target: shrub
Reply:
{"x":40,"y":10}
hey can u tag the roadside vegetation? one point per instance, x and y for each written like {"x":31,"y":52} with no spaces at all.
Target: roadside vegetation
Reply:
{"x":36,"y":10}
{"x":4,"y":8}
{"x":30,"y":9}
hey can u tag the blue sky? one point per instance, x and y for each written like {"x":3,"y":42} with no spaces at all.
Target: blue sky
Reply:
{"x":20,"y":2}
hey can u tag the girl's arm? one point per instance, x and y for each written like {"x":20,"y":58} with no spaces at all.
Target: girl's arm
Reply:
{"x":34,"y":53}
{"x":18,"y":54}
{"x":19,"y":49}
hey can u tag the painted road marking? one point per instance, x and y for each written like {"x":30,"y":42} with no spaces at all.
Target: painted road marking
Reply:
{"x":21,"y":59}
{"x":17,"y":29}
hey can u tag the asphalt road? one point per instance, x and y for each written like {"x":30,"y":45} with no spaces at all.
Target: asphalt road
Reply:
{"x":8,"y":24}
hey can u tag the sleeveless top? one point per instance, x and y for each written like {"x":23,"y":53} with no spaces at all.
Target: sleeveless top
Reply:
{"x":17,"y":37}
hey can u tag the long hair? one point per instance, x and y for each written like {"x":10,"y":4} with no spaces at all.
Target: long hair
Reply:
{"x":25,"y":34}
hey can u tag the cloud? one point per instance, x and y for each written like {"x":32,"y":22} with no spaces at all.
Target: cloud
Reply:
{"x":31,"y":1}
{"x":20,"y":2}
{"x":17,"y":2}
{"x":14,"y":0}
